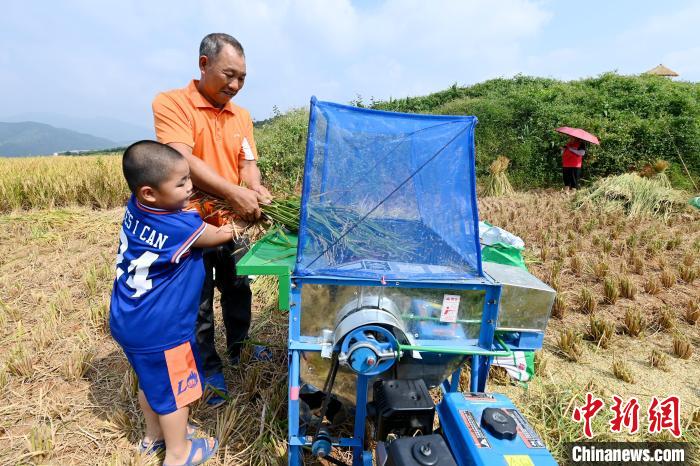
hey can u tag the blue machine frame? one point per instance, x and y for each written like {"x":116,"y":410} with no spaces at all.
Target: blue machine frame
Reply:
{"x":482,"y":351}
{"x":482,"y":355}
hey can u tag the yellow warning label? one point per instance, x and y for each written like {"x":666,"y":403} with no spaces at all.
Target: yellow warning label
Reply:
{"x":518,"y":460}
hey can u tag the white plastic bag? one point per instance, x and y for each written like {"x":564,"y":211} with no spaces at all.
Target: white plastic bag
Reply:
{"x":492,"y":235}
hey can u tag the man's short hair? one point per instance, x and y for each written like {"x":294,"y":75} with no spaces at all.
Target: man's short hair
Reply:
{"x":212,"y":44}
{"x":148,"y":163}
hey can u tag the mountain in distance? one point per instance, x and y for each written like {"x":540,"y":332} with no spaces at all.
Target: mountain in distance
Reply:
{"x":31,"y":138}
{"x":121,"y":132}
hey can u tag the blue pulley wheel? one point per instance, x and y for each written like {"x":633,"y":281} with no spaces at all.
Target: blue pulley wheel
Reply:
{"x":369,"y":350}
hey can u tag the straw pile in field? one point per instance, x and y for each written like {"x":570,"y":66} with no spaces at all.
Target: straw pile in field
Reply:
{"x":497,"y":183}
{"x":656,"y":171}
{"x":635,"y":195}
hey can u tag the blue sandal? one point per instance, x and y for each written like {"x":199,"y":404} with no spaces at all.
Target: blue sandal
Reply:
{"x":217,"y":384}
{"x":191,"y":435}
{"x":207,"y":453}
{"x":155,"y":447}
{"x":262,"y":353}
{"x":151,"y":448}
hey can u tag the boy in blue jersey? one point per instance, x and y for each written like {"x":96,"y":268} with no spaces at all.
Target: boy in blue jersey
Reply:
{"x":156,"y":294}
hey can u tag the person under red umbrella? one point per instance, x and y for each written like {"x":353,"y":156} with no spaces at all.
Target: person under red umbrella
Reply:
{"x":571,"y":158}
{"x":572,"y":154}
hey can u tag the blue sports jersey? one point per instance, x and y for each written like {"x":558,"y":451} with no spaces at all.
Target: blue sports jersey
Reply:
{"x":159,"y":279}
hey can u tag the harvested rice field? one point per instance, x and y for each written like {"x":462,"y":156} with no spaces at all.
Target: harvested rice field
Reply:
{"x":626,"y":323}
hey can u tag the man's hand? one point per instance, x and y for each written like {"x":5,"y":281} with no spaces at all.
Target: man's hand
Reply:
{"x":264,"y":195}
{"x":244,"y":202}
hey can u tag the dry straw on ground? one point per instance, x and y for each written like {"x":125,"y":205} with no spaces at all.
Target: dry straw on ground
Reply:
{"x":55,"y":278}
{"x":636,"y":195}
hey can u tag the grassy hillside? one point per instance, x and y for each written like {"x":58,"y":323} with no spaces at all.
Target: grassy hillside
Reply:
{"x":638,"y":119}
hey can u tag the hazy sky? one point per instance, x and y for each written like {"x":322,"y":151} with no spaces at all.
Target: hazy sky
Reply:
{"x":109,"y":58}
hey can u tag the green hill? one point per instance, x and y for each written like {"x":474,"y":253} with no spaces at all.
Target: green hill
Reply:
{"x":30,"y":138}
{"x":637,"y":118}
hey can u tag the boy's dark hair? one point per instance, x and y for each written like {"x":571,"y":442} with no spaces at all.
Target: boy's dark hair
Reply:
{"x":148,"y":163}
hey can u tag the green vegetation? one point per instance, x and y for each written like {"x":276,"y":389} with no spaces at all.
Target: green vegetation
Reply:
{"x":281,"y":143}
{"x":639,"y":119}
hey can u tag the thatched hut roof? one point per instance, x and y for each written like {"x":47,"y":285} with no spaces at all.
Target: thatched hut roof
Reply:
{"x":661,"y":70}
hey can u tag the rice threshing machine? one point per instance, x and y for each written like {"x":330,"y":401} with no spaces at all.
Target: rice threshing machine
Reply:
{"x":388,"y":299}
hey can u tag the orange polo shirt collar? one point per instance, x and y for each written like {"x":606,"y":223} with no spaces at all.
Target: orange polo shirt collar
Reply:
{"x":199,"y":101}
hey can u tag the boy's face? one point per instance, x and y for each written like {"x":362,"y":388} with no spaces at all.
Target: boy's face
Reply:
{"x":174,"y":192}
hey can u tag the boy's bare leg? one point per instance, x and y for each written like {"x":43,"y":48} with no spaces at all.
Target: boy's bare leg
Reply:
{"x":177,"y":447}
{"x":153,"y":430}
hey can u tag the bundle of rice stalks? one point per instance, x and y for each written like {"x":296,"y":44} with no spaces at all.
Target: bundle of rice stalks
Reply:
{"x":601,"y":331}
{"x":284,"y":212}
{"x":331,"y":230}
{"x":682,"y":347}
{"x":569,"y":344}
{"x":634,"y":322}
{"x":656,"y":171}
{"x":241,"y":229}
{"x":497,"y":183}
{"x":341,"y":232}
{"x":635,"y":195}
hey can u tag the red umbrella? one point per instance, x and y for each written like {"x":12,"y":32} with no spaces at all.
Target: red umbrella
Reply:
{"x":579,"y":134}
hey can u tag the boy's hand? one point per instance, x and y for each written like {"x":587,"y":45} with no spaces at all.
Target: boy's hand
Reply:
{"x":226,"y":230}
{"x":239,"y":224}
{"x":213,"y":236}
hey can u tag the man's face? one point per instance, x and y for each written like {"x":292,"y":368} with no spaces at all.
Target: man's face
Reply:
{"x":223,"y":76}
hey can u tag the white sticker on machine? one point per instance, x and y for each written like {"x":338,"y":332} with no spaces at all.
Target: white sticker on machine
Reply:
{"x":479,"y":397}
{"x":477,"y":435}
{"x":450,"y":306}
{"x":525,"y":430}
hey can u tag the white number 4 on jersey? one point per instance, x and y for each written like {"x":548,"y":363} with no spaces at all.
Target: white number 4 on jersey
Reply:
{"x":138,"y":268}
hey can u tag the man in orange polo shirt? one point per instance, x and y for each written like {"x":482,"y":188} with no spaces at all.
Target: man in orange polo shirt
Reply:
{"x":216,"y":138}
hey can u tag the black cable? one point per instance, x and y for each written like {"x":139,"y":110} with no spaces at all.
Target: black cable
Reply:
{"x":327,"y":388}
{"x":330,"y":459}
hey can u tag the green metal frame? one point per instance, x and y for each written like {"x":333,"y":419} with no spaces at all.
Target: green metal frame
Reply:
{"x":273,"y":254}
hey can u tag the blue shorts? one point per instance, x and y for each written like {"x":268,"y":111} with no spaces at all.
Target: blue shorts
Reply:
{"x":171,"y":378}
